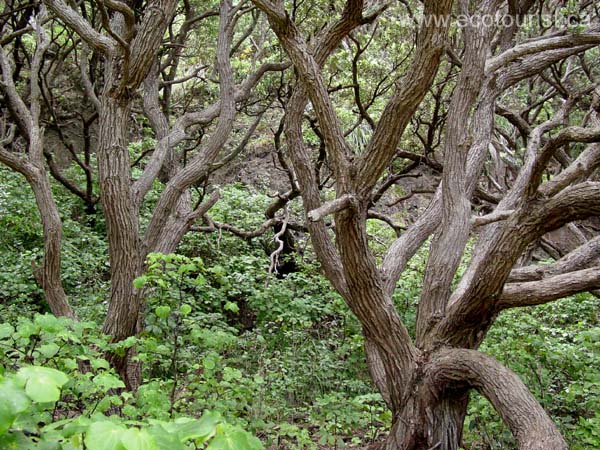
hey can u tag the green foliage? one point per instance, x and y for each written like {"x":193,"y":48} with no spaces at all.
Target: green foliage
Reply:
{"x":554,"y":349}
{"x":196,"y":358}
{"x":84,"y":274}
{"x":73,"y":405}
{"x":282,"y":358}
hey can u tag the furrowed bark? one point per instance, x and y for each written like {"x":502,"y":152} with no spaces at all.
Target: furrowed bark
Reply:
{"x":527,"y":420}
{"x":33,"y":169}
{"x":532,"y":293}
{"x":49,"y":275}
{"x":448,"y":245}
{"x":127,"y":62}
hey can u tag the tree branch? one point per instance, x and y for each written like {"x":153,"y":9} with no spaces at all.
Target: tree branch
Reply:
{"x":334,"y":206}
{"x":546,"y":290}
{"x":591,"y":37}
{"x":83,"y":28}
{"x":397,"y":113}
{"x":496,"y":216}
{"x":529,"y":423}
{"x":580,"y":258}
{"x":201,"y":163}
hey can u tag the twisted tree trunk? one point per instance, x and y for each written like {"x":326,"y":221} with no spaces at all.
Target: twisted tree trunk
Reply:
{"x":48,"y":276}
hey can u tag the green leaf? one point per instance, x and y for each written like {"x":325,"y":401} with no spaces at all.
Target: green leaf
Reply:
{"x":99,"y":363}
{"x":234,"y":439}
{"x":186,"y":268}
{"x":6,"y":330}
{"x":48,"y":323}
{"x":26,"y":330}
{"x":204,"y":428}
{"x":49,"y":350}
{"x":218,"y":270}
{"x":139,"y":282}
{"x":18,"y":440}
{"x":208,"y":363}
{"x":42,"y":384}
{"x":162,"y":311}
{"x":12,"y":402}
{"x":231,"y":306}
{"x":104,"y":435}
{"x":185,"y":310}
{"x":199,"y":280}
{"x":136,"y":439}
{"x":70,"y":363}
{"x":108,"y":381}
{"x":207,"y":425}
{"x":76,"y":426}
{"x":165,"y":439}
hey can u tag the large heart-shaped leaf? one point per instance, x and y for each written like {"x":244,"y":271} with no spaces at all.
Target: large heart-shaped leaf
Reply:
{"x":104,"y":436}
{"x":42,"y":384}
{"x":12,"y":402}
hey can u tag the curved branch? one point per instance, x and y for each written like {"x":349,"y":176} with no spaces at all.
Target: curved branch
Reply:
{"x":548,"y":289}
{"x":578,"y":170}
{"x":565,"y":136}
{"x":540,"y":46}
{"x":529,"y":423}
{"x":581,"y":258}
{"x":83,"y":28}
{"x":212,"y":226}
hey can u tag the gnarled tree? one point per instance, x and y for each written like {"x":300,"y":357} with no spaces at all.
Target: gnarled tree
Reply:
{"x":426,"y":380}
{"x":140,"y":49}
{"x":505,"y":117}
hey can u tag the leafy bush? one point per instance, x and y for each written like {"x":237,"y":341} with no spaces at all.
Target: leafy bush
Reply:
{"x":80,"y":402}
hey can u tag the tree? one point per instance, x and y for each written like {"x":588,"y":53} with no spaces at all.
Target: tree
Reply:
{"x":128,"y":40}
{"x":32,"y":168}
{"x":504,"y":107}
{"x":426,"y":381}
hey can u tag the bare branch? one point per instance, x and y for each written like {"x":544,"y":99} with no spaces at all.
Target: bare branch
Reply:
{"x":334,"y":206}
{"x":97,"y":41}
{"x":240,"y":147}
{"x":548,"y":289}
{"x":212,"y":226}
{"x":496,"y":216}
{"x":84,"y":68}
{"x":12,"y":160}
{"x":280,"y":244}
{"x":591,"y":37}
{"x":581,"y":258}
{"x":398,"y":229}
{"x":8,"y":85}
{"x":567,"y":135}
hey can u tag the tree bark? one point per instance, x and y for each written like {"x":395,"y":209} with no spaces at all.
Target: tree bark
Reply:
{"x":434,"y":409}
{"x":32,"y":168}
{"x":48,"y":276}
{"x":455,"y":369}
{"x":426,"y":423}
{"x":121,"y":216}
